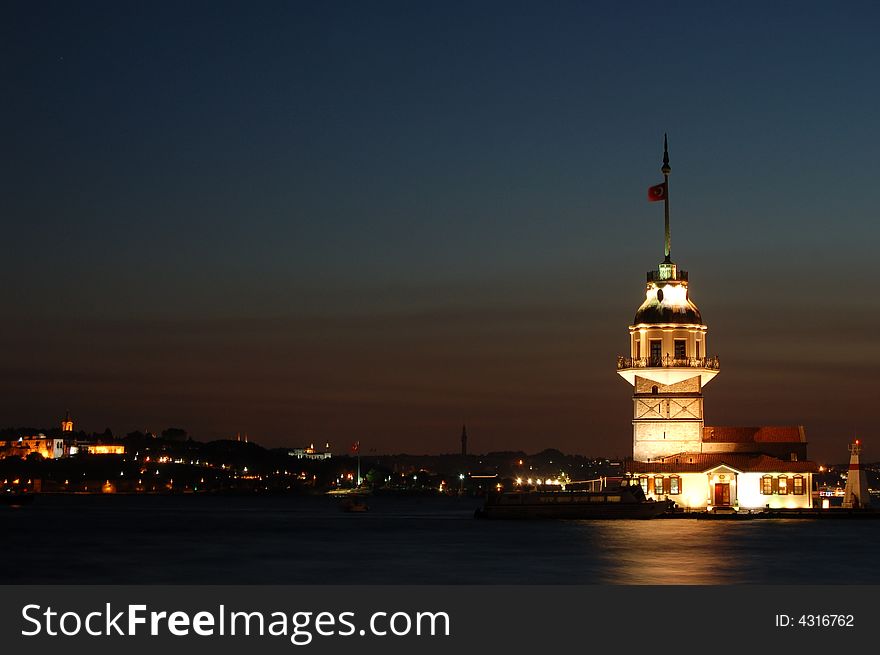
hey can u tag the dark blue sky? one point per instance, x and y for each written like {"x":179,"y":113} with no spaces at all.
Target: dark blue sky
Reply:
{"x":328,"y":221}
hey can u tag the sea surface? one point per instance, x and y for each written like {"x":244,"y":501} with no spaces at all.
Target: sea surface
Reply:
{"x":308,"y":540}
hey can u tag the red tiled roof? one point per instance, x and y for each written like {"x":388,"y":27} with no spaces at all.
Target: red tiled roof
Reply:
{"x":760,"y":434}
{"x":701,"y":462}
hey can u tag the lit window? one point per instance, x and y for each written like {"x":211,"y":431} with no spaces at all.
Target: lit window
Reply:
{"x":656,"y":352}
{"x":767,"y":485}
{"x":658,"y":486}
{"x":680,"y":348}
{"x":783,"y":485}
{"x":674,"y":485}
{"x":643,"y":481}
{"x":797,"y":485}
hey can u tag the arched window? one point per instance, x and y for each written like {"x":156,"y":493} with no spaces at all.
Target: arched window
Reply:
{"x":655,"y":389}
{"x":767,"y":485}
{"x":674,"y":485}
{"x":797,"y":485}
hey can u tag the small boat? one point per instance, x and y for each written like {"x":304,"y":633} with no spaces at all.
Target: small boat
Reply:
{"x":353,"y":504}
{"x":625,"y":502}
{"x":14,"y":498}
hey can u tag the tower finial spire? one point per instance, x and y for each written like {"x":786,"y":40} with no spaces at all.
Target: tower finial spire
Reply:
{"x":666,"y":170}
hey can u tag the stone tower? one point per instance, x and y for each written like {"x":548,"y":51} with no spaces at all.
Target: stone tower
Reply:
{"x":668,"y":365}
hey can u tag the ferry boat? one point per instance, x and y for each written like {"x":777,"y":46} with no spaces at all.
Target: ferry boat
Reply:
{"x":625,"y":502}
{"x":16,"y":498}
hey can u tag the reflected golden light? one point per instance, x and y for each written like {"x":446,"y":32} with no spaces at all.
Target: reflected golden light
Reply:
{"x":695,"y":552}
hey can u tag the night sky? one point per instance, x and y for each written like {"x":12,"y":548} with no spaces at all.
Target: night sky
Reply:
{"x":330,"y":221}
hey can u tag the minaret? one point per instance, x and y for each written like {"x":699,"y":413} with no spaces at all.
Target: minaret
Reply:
{"x":856,"y":494}
{"x":668,"y":364}
{"x":463,"y":440}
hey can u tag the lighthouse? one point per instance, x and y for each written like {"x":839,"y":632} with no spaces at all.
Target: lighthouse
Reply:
{"x":856,"y":493}
{"x":668,"y":364}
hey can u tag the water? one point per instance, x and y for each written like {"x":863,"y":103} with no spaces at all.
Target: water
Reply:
{"x":285,"y":540}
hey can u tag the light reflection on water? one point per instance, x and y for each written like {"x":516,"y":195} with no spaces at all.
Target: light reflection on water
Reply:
{"x":674,"y":552}
{"x":136,"y":540}
{"x":730,"y":552}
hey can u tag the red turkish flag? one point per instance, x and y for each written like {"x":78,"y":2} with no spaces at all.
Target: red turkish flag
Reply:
{"x":657,"y":192}
{"x":356,"y":446}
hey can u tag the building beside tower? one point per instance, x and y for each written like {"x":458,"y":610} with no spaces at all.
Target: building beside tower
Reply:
{"x":675,"y":454}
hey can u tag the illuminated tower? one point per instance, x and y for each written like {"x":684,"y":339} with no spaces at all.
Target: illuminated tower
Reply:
{"x":856,"y":494}
{"x":668,"y":364}
{"x":67,"y":423}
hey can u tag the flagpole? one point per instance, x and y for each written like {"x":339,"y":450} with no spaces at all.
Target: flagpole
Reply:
{"x":665,"y":169}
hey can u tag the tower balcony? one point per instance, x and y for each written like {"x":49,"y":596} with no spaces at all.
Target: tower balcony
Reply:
{"x":668,"y":370}
{"x":668,"y":273}
{"x":668,"y":361}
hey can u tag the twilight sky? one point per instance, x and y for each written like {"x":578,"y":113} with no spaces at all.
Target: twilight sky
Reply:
{"x":329,"y":221}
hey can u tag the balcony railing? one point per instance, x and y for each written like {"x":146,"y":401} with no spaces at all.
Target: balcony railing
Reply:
{"x":661,"y":276}
{"x":667,"y":361}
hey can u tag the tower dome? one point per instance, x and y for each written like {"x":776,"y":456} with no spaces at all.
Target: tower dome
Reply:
{"x":667,"y":302}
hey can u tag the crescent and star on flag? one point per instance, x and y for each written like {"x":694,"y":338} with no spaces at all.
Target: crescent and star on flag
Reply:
{"x":657,"y":192}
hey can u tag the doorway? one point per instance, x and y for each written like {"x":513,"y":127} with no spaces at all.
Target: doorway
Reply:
{"x":722,"y":494}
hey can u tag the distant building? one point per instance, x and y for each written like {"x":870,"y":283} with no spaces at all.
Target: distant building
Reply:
{"x":47,"y":447}
{"x":55,"y":447}
{"x":67,"y":423}
{"x":674,"y":454}
{"x":98,"y":449}
{"x":310,"y":452}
